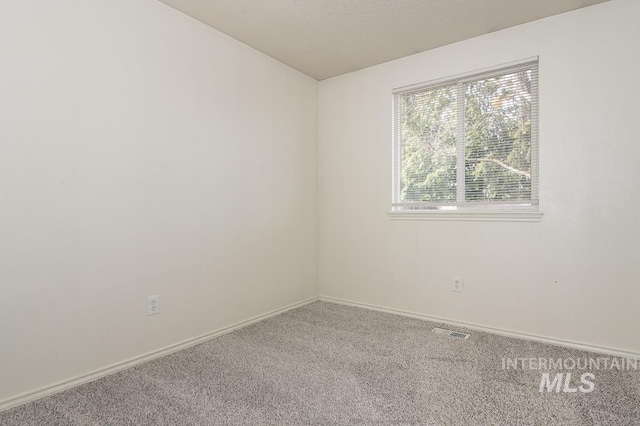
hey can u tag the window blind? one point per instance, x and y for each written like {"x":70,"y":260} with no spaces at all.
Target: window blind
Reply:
{"x":466,"y":141}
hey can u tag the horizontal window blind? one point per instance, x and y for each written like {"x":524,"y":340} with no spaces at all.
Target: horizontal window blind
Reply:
{"x":469,"y":141}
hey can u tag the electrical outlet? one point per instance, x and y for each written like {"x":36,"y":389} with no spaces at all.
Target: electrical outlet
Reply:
{"x":457,"y":284}
{"x":153,"y":305}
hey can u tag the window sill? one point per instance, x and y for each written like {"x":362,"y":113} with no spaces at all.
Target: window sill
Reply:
{"x":469,"y":216}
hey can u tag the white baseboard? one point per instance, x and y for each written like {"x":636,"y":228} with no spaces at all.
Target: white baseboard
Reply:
{"x":503,"y":332}
{"x":114,"y":368}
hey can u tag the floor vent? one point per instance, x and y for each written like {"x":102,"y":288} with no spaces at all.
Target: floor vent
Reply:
{"x":451,"y":333}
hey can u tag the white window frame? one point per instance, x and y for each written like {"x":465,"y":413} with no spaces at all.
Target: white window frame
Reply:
{"x":485,"y":212}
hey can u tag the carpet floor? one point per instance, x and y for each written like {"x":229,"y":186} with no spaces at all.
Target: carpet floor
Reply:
{"x":328,"y":364}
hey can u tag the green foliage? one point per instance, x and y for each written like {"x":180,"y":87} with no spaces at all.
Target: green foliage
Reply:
{"x":497,"y":132}
{"x":429,"y":146}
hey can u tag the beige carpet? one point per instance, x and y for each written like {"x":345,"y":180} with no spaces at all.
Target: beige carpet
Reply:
{"x":326,"y":364}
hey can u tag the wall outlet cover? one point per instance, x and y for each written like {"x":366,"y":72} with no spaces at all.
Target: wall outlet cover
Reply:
{"x":153,"y":305}
{"x":457,"y":284}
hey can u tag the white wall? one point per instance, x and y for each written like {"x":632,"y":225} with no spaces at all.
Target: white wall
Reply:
{"x":589,"y":237}
{"x":143,"y":153}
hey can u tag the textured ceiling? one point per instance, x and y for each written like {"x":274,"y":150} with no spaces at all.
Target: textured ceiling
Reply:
{"x":325,"y":38}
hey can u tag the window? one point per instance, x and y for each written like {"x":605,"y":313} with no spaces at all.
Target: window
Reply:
{"x":469,"y":142}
